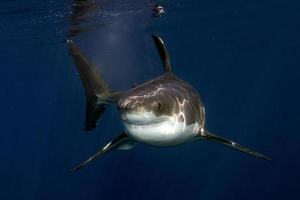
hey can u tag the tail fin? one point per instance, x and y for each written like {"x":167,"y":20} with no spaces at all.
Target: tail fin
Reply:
{"x":96,"y":89}
{"x":227,"y":142}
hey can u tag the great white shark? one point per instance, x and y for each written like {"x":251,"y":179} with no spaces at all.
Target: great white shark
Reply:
{"x":164,"y":111}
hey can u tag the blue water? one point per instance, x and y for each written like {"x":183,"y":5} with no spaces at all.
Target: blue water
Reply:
{"x":242,"y":57}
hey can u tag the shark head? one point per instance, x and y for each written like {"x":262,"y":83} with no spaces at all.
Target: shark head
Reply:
{"x":140,"y":110}
{"x":155,"y":113}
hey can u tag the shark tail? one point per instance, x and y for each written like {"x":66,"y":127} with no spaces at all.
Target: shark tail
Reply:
{"x":212,"y":137}
{"x":97,"y":91}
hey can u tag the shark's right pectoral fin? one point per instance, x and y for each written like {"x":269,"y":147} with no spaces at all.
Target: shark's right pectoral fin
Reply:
{"x":212,"y":137}
{"x":96,"y":89}
{"x":121,"y":142}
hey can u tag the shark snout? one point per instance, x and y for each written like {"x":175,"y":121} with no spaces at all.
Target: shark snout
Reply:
{"x":141,"y":118}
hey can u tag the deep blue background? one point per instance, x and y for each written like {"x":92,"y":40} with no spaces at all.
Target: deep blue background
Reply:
{"x":242,"y":57}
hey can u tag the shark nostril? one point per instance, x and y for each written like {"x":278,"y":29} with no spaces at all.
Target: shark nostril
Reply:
{"x":159,"y":106}
{"x":181,"y":118}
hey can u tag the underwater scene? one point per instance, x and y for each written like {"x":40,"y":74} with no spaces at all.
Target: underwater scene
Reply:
{"x":150,"y":99}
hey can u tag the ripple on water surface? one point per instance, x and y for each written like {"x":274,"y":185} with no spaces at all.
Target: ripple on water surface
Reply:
{"x":55,"y":21}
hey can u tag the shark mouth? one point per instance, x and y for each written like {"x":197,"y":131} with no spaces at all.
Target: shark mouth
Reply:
{"x":158,"y":130}
{"x":144,"y":119}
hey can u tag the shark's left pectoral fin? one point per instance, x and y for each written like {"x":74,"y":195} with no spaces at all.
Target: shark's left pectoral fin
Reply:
{"x":212,"y":137}
{"x":121,"y":142}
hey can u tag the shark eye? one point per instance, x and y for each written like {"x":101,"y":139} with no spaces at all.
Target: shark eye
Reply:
{"x":159,"y":106}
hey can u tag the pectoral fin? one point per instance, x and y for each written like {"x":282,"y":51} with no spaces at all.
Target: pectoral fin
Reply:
{"x":116,"y":143}
{"x":227,"y":142}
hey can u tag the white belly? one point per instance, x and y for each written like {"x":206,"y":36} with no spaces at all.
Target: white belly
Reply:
{"x":165,"y":133}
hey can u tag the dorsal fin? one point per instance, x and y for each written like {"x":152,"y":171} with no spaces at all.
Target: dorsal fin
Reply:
{"x":163,"y":53}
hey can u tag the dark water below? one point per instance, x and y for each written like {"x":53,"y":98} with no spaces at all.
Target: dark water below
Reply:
{"x":242,"y":57}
